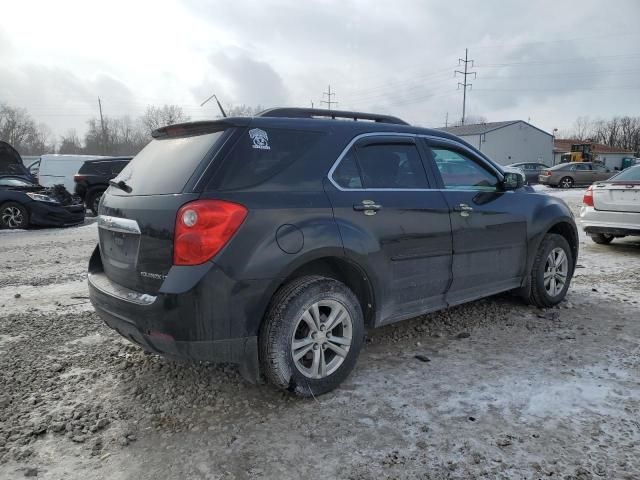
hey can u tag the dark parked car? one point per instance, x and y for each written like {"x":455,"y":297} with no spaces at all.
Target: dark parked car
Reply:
{"x":566,"y":175}
{"x":93,"y":178}
{"x":531,"y":170}
{"x":11,"y":163}
{"x":274,"y":241}
{"x":23,"y":203}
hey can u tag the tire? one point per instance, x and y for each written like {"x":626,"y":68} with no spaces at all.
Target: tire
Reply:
{"x":285,"y":322}
{"x":93,"y":200}
{"x":602,"y":238}
{"x":14,"y":215}
{"x":540,"y":293}
{"x":566,"y":182}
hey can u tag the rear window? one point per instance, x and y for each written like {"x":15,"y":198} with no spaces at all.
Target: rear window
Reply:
{"x":260,"y":155}
{"x":631,"y":174}
{"x":165,"y":165}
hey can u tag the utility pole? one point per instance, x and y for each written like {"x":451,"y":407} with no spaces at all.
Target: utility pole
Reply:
{"x":464,"y":84}
{"x":311,"y":103}
{"x":328,"y":101}
{"x":446,"y":120}
{"x":102,"y":142}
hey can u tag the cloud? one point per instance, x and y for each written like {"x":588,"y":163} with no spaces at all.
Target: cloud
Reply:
{"x":238,"y":78}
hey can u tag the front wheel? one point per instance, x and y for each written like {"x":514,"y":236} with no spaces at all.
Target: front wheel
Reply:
{"x":602,"y":238}
{"x":551,"y":272}
{"x":311,"y":336}
{"x":13,"y":216}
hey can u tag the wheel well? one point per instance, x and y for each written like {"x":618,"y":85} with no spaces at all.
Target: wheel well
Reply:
{"x":568,"y":232}
{"x":346,"y":272}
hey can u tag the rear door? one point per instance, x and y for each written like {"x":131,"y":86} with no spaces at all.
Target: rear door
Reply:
{"x":583,"y":174}
{"x":392,"y":221}
{"x":136,"y":227}
{"x":489,"y":227}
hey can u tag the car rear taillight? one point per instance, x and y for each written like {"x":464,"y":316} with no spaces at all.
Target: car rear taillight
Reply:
{"x":548,"y":173}
{"x":203,"y":227}
{"x":78,"y":178}
{"x":588,"y":197}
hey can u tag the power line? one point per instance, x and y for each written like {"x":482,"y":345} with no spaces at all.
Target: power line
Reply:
{"x":464,"y":84}
{"x":328,"y":101}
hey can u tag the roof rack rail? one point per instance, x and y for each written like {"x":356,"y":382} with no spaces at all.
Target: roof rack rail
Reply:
{"x":319,"y":112}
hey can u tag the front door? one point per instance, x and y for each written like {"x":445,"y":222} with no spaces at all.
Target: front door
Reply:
{"x":391,"y":222}
{"x":489,"y":229}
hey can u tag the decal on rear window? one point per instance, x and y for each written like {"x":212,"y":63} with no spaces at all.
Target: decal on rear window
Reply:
{"x":260,"y":139}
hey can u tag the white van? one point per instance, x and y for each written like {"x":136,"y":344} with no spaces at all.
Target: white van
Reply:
{"x":60,"y":169}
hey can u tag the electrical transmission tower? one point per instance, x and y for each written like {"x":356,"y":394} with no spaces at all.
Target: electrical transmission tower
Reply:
{"x":328,"y":101}
{"x":464,"y":84}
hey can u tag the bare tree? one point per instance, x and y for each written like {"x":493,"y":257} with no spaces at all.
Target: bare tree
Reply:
{"x":156,"y":117}
{"x":470,"y":120}
{"x":19,"y":129}
{"x":244,"y":110}
{"x":70,"y":143}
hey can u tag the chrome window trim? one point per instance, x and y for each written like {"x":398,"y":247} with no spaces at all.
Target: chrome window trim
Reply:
{"x":116,"y":224}
{"x":410,"y":135}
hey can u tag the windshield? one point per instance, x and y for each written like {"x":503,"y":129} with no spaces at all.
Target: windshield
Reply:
{"x":631,"y":174}
{"x":165,"y":165}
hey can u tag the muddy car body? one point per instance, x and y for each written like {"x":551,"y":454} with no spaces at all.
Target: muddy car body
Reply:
{"x":312,"y":230}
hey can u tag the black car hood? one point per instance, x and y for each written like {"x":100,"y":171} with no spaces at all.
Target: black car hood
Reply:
{"x":11,"y":161}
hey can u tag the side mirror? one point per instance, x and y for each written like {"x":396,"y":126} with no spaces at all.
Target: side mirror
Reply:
{"x":512,"y":181}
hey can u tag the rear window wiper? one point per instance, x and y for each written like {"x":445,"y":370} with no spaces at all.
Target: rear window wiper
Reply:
{"x":121,"y":185}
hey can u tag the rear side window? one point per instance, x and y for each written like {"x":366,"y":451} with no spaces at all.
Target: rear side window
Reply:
{"x":347,"y":175}
{"x":165,"y":165}
{"x":260,"y":155}
{"x":582,"y":167}
{"x":390,"y":165}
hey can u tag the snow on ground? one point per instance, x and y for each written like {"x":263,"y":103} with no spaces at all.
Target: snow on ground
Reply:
{"x":509,"y":391}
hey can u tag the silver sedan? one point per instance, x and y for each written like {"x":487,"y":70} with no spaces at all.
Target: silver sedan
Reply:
{"x":611,"y":208}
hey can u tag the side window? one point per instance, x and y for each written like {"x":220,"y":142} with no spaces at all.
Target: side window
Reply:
{"x":391,"y":165}
{"x":459,"y":171}
{"x":347,"y":174}
{"x":117,"y":167}
{"x":583,"y":166}
{"x":259,"y":155}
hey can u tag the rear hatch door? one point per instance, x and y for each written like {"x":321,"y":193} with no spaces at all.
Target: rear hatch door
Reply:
{"x":136,"y":221}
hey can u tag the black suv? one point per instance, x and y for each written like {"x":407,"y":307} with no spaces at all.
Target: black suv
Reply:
{"x":274,"y":241}
{"x":93,"y":179}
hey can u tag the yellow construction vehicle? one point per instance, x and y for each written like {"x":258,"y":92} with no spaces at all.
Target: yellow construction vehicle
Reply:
{"x":580,"y":152}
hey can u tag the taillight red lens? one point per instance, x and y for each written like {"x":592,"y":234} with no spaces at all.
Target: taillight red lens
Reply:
{"x":78,"y":178}
{"x":588,"y":197}
{"x":203,"y":227}
{"x":548,"y":173}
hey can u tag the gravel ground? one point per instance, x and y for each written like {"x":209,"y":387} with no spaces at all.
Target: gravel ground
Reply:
{"x":497,"y":390}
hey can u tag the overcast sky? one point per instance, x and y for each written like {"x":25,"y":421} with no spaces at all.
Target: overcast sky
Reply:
{"x":547,"y":61}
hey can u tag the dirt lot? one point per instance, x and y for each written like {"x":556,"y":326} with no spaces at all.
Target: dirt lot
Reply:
{"x":508,"y":391}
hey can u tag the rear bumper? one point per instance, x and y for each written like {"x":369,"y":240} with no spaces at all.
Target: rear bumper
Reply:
{"x":215,"y":321}
{"x":545,"y":180}
{"x":55,"y":216}
{"x":607,"y":222}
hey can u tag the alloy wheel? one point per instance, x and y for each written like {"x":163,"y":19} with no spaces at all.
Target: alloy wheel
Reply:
{"x":321,"y":339}
{"x":556,"y":270}
{"x":566,"y":183}
{"x":12,"y":217}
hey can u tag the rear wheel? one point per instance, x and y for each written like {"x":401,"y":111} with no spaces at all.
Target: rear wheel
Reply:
{"x":602,"y":238}
{"x":551,"y":272}
{"x":566,"y":182}
{"x":93,"y":201}
{"x":13,"y":215}
{"x":311,"y":336}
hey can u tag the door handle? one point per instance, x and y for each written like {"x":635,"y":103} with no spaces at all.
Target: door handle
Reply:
{"x":464,"y":209}
{"x":369,"y":207}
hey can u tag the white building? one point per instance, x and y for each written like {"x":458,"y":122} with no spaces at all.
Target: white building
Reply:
{"x":508,"y":142}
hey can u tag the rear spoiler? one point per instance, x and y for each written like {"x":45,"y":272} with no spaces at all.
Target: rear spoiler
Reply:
{"x":199,"y":128}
